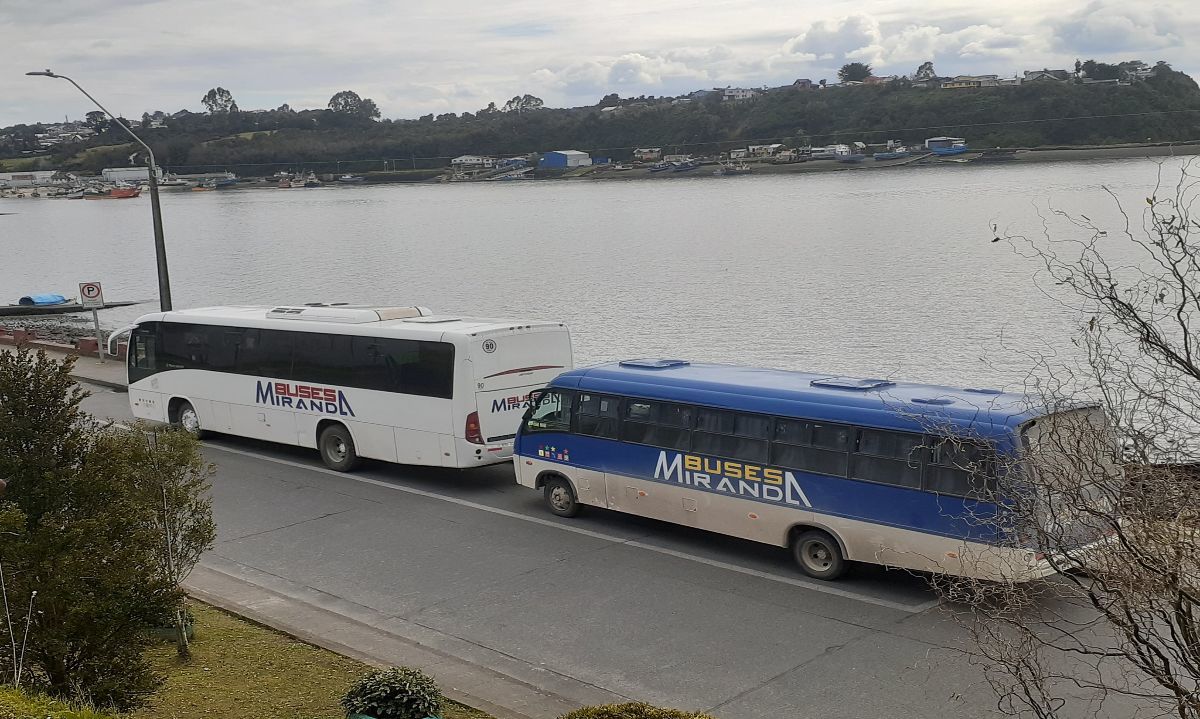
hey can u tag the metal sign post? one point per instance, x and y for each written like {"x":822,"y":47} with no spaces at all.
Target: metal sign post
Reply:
{"x":92,"y":295}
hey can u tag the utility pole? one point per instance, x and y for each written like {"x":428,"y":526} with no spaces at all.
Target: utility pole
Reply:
{"x":160,"y":246}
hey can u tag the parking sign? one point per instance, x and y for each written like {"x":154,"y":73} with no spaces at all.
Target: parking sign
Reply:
{"x":90,"y":294}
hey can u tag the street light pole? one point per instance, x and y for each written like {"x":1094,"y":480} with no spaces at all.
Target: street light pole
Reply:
{"x":160,"y":247}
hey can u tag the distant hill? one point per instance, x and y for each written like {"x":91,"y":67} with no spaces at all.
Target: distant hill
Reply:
{"x":1165,"y":107}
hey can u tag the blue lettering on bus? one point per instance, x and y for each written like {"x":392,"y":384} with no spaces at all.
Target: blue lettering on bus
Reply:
{"x":310,"y":398}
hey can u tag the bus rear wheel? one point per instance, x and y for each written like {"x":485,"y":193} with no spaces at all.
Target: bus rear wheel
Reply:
{"x":337,"y":448}
{"x":560,"y":497}
{"x":818,"y":555}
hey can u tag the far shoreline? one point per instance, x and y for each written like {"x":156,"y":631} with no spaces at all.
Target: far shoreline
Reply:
{"x":1021,"y":156}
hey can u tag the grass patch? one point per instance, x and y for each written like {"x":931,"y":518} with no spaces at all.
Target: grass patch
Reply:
{"x":240,"y":669}
{"x":241,"y":136}
{"x":21,"y":164}
{"x":16,"y":704}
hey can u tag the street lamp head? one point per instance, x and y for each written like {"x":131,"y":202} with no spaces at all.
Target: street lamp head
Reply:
{"x":43,"y":73}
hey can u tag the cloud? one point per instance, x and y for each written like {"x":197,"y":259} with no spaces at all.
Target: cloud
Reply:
{"x":636,"y":70}
{"x":425,"y":56}
{"x":836,"y":39}
{"x":1106,"y":26}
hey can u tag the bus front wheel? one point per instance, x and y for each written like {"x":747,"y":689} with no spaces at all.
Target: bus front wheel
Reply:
{"x":818,"y":555}
{"x":187,"y":419}
{"x":560,"y":497}
{"x":337,"y":448}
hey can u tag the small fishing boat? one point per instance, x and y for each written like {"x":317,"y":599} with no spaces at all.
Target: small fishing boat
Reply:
{"x":228,"y":180}
{"x":116,"y":193}
{"x":351,"y":178}
{"x":733,"y":169}
{"x":957,"y":148}
{"x":896,"y":154}
{"x":170,"y":182}
{"x":997,"y":156}
{"x":661,"y":166}
{"x":622,"y":167}
{"x":310,"y":181}
{"x":205,"y":187}
{"x":686,"y":166}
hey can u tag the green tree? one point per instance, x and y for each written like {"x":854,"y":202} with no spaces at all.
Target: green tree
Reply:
{"x":348,"y":102}
{"x":523,"y":103}
{"x":854,"y":72}
{"x":174,"y":481}
{"x":1100,"y":70}
{"x":97,"y":120}
{"x":219,"y":101}
{"x":83,"y":546}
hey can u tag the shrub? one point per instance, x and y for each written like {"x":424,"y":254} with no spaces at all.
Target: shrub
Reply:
{"x":396,"y":693}
{"x":631,"y":710}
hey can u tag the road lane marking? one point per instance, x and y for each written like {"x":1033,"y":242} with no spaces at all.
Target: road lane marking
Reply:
{"x":793,"y":581}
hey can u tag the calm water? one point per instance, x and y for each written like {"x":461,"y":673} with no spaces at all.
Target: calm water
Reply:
{"x":880,"y":273}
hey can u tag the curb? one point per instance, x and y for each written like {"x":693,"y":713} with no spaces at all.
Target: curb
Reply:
{"x":115,"y":386}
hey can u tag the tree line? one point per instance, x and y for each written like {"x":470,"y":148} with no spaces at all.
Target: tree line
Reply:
{"x":1165,"y":107}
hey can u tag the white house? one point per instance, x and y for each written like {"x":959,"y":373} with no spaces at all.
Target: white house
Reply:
{"x":737,"y":94}
{"x":765,"y":150}
{"x":467,"y":161}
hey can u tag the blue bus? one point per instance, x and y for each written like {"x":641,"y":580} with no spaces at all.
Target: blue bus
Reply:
{"x":837,"y":469}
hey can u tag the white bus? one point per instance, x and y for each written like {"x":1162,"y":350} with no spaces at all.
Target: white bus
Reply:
{"x":390,"y":383}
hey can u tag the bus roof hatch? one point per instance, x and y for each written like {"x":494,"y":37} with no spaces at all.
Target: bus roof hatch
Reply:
{"x":857,"y":383}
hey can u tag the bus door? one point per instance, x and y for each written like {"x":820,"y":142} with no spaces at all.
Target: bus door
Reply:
{"x":548,"y":438}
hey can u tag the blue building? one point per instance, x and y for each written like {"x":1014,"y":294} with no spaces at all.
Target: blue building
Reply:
{"x":566,"y":159}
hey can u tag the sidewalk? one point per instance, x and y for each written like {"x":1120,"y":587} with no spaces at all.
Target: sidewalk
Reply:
{"x":110,"y":373}
{"x":502,"y":685}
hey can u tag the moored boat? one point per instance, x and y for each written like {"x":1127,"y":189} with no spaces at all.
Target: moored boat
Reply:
{"x":661,"y":166}
{"x":896,"y":154}
{"x":116,"y":193}
{"x":734,"y":168}
{"x":351,"y":178}
{"x":957,"y":148}
{"x":997,"y":156}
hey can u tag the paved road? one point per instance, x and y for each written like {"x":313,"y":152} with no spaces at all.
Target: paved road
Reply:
{"x":469,"y":565}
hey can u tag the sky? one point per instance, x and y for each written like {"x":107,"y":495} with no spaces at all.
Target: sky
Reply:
{"x":415,"y":57}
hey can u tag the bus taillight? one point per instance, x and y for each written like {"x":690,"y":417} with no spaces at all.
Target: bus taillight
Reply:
{"x":473,"y":434}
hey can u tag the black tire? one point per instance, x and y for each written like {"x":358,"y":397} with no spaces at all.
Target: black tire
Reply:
{"x":187,"y":419}
{"x":337,"y":448}
{"x":818,"y":555}
{"x":560,"y":497}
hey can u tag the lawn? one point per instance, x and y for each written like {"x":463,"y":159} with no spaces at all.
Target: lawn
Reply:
{"x":240,"y":669}
{"x":21,"y":164}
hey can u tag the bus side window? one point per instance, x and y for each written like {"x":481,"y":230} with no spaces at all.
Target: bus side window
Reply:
{"x":888,"y":457}
{"x":597,"y":416}
{"x":658,"y":424}
{"x":961,"y":467}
